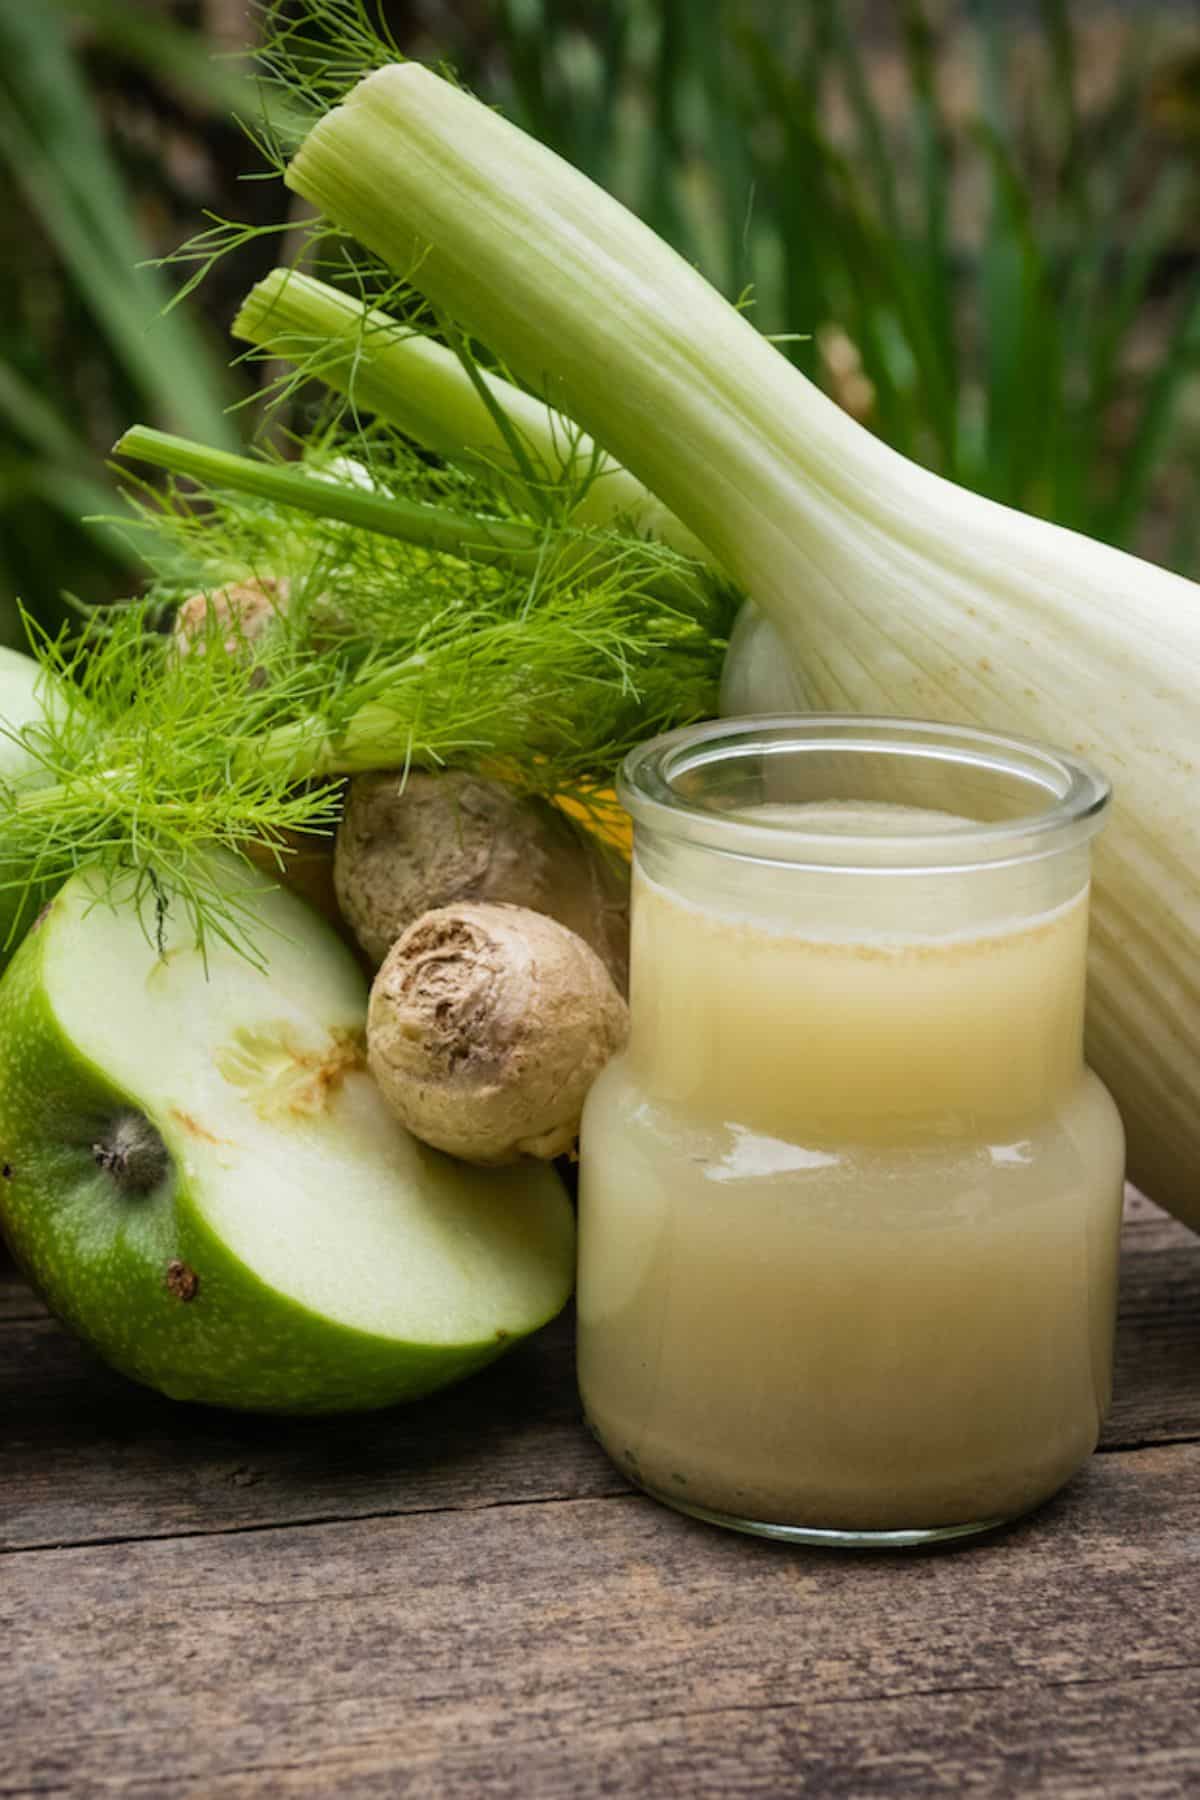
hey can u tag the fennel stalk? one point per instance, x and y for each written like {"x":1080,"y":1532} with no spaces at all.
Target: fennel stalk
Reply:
{"x":401,"y":374}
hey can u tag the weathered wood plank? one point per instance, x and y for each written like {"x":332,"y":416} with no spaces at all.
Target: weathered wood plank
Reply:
{"x":89,"y":1457}
{"x":17,"y":1302}
{"x":608,"y":1646}
{"x":1038,"y":1742}
{"x":1153,"y":1227}
{"x":1156,"y":1390}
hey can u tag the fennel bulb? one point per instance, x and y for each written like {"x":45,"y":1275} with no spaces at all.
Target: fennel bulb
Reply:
{"x":889,"y":589}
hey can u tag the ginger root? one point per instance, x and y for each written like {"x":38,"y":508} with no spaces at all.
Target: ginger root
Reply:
{"x":408,"y":845}
{"x":486,"y":1027}
{"x":244,"y":611}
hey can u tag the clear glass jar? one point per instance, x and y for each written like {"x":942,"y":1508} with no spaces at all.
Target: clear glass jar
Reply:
{"x":850,"y":1199}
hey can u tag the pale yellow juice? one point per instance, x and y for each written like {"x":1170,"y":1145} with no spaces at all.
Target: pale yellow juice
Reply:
{"x":850,"y":1203}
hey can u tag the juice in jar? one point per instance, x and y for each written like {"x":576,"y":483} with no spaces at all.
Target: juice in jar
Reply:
{"x":849,"y":1201}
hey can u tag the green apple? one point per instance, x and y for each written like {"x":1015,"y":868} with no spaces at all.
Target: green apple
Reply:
{"x":23,"y":687}
{"x":199,"y":1175}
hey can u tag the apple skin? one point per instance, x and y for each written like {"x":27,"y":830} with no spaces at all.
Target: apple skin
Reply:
{"x":144,"y":1280}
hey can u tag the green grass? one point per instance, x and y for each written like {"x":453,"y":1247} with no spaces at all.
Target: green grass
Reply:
{"x":988,"y":289}
{"x":85,"y":343}
{"x":1004,"y":290}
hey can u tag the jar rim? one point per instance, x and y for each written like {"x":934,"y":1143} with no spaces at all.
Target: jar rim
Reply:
{"x":1074,"y":793}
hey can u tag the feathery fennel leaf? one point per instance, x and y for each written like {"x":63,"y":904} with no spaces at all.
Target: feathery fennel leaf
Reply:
{"x":546,"y":666}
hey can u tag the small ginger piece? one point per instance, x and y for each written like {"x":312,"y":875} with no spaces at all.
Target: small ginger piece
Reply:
{"x":244,"y":611}
{"x":409,"y":844}
{"x":487,"y":1026}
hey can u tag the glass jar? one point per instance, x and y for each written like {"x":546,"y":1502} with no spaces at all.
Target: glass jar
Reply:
{"x":850,"y":1199}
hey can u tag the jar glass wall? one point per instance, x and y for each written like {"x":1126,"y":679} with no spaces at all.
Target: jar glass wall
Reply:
{"x":850,"y":1199}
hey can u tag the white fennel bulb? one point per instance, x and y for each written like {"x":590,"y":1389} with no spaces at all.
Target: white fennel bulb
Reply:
{"x":887,"y":589}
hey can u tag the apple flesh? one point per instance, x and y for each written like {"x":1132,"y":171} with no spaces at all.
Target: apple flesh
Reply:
{"x":198,"y":1174}
{"x":23,"y":685}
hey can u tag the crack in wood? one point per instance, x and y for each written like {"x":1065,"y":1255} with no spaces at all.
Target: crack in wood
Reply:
{"x":1128,"y":1446}
{"x":51,"y":1545}
{"x":885,"y":1697}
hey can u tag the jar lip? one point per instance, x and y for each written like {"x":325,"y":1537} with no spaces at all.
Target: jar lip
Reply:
{"x":1075,"y":793}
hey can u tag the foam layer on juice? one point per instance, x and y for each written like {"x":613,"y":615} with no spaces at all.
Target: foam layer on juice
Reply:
{"x":855,"y":818}
{"x":862,"y":1033}
{"x":893,"y":901}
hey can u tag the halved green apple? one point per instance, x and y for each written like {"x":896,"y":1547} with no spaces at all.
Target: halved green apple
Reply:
{"x":197,"y":1171}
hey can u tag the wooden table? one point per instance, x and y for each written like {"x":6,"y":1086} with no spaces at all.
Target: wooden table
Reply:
{"x":464,"y":1597}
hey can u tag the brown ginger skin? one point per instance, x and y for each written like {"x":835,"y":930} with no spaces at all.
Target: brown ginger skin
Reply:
{"x":244,"y":611}
{"x":487,"y":1026}
{"x":409,"y":844}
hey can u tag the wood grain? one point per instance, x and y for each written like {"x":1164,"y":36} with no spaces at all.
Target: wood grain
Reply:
{"x":88,"y":1456}
{"x":1156,"y":1388}
{"x":16,"y":1300}
{"x":463,"y":1598}
{"x":607,"y":1646}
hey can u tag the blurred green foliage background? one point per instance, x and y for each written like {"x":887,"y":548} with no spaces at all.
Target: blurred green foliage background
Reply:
{"x":975,"y":222}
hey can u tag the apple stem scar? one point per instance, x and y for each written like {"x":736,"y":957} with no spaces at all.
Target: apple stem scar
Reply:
{"x":133,"y":1154}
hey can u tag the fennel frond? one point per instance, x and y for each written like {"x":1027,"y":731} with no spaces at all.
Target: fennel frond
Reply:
{"x":546,"y":663}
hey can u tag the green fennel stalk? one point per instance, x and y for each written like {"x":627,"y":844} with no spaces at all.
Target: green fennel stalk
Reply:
{"x":401,"y":374}
{"x":469,"y":536}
